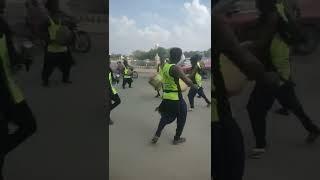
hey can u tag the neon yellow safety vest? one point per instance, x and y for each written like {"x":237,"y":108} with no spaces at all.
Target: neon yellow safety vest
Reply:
{"x":198,"y":79}
{"x":53,"y":29}
{"x":161,"y":70}
{"x":280,"y":55}
{"x":15,"y":91}
{"x":114,"y":91}
{"x":126,"y":73}
{"x":170,"y":88}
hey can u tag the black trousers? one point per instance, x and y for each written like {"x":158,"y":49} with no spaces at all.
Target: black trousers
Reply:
{"x":178,"y":110}
{"x":227,"y":150}
{"x":261,"y":101}
{"x":193,"y":92}
{"x":20,"y":115}
{"x":115,"y":101}
{"x":126,"y":81}
{"x":63,"y":61}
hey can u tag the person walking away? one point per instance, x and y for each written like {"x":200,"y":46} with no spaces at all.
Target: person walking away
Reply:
{"x":127,"y":75}
{"x":114,"y":97}
{"x":56,"y":55}
{"x":197,"y":80}
{"x":173,"y":106}
{"x":261,"y":99}
{"x":13,"y":106}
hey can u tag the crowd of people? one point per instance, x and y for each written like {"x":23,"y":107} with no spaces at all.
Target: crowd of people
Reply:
{"x":14,"y":107}
{"x":172,"y":81}
{"x":265,"y":60}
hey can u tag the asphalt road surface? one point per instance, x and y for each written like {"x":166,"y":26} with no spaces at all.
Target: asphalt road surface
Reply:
{"x":288,"y":156}
{"x":133,"y":157}
{"x":72,"y":139}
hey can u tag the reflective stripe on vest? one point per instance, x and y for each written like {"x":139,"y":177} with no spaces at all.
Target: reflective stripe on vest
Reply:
{"x":170,"y":88}
{"x":15,"y":91}
{"x":126,"y":73}
{"x":53,"y":29}
{"x":114,"y":91}
{"x":198,"y":64}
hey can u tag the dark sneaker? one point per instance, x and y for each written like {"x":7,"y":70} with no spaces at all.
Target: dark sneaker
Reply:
{"x":257,"y":153}
{"x":312,"y":137}
{"x":111,"y":122}
{"x":154,"y":140}
{"x":282,"y":111}
{"x":179,"y":141}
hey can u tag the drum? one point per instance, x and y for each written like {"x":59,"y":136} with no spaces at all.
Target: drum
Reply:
{"x":156,"y":81}
{"x":183,"y":85}
{"x":235,"y":80}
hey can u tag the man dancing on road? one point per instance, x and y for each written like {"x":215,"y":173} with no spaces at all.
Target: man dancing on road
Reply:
{"x":173,"y":106}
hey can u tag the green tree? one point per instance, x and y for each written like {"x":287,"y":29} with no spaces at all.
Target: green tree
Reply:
{"x":163,"y":52}
{"x":207,"y":53}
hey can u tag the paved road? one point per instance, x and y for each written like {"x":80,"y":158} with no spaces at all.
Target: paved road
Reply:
{"x":288,"y":157}
{"x":132,"y":157}
{"x":72,"y":140}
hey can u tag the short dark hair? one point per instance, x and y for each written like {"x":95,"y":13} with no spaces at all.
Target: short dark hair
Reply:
{"x":175,"y":55}
{"x":194,"y":59}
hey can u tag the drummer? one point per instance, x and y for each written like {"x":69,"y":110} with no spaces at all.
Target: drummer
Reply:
{"x":159,"y":71}
{"x":173,"y":106}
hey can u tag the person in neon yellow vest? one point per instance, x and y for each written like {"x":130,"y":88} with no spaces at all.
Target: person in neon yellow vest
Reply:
{"x":127,"y":75}
{"x":227,"y":144}
{"x":159,"y":71}
{"x":13,"y":106}
{"x":56,"y":55}
{"x":173,"y":106}
{"x":197,"y":80}
{"x":113,"y":94}
{"x":262,"y":99}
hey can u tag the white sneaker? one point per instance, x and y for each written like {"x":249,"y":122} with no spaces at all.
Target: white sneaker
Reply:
{"x":190,"y":109}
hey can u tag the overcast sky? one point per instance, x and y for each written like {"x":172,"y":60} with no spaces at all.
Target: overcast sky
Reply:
{"x":140,"y":24}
